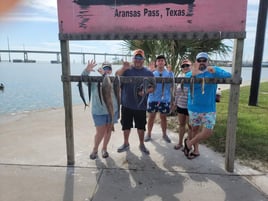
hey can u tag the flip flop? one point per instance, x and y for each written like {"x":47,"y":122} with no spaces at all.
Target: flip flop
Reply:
{"x":186,"y":148}
{"x":177,"y":147}
{"x":105,"y":154}
{"x":192,"y":155}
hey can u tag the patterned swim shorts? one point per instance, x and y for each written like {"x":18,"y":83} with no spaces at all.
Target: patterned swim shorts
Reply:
{"x":208,"y":119}
{"x":163,"y":108}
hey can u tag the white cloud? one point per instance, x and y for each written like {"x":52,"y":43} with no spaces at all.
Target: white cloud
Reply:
{"x":47,"y":5}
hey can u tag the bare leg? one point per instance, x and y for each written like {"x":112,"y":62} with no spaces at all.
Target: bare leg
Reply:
{"x":141,"y":135}
{"x":100,"y":130}
{"x":150,"y":124}
{"x":194,"y":132}
{"x":163,"y":122}
{"x":202,"y":135}
{"x":126,"y":136}
{"x":182,"y":123}
{"x":107,"y":136}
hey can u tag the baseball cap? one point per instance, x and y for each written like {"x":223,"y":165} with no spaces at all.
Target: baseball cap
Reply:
{"x":138,"y":52}
{"x":161,"y":57}
{"x":186,"y":61}
{"x":202,"y":55}
{"x":107,"y":66}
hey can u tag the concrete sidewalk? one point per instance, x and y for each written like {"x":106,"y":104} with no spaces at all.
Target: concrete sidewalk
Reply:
{"x":33,"y":166}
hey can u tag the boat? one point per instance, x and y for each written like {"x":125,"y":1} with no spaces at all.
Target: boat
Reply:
{"x":264,"y":64}
{"x":17,"y":60}
{"x":2,"y":87}
{"x":55,"y":62}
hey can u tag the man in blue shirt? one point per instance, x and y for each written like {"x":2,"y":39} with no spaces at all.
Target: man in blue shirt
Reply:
{"x":201,"y":103}
{"x":133,"y":104}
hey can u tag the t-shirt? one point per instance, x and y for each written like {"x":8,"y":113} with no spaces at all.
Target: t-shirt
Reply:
{"x":162,"y":92}
{"x":205,"y":102}
{"x":129,"y":97}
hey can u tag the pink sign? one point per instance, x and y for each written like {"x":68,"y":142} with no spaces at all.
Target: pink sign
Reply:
{"x":151,"y":16}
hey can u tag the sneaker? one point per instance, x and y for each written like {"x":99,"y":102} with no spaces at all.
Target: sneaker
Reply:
{"x":123,"y":147}
{"x":166,"y":138}
{"x":93,"y":155}
{"x":144,"y":150}
{"x":147,"y":138}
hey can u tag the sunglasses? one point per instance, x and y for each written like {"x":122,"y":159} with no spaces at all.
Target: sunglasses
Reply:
{"x":106,"y":68}
{"x":201,"y":60}
{"x":139,"y":58}
{"x":185,"y":66}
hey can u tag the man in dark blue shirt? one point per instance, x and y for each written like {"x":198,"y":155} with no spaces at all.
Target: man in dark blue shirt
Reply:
{"x":133,"y":104}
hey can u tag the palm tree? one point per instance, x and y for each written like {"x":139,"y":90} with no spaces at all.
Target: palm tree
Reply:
{"x":176,"y":50}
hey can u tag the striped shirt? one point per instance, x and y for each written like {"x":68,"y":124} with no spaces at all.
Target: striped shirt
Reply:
{"x":181,"y":97}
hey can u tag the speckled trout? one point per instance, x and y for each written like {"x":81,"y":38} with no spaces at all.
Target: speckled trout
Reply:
{"x":107,"y":90}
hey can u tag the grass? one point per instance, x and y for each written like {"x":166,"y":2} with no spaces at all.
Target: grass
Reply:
{"x":252,"y":128}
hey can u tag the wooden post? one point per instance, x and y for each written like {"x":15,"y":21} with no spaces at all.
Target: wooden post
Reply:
{"x":233,"y":106}
{"x":67,"y":98}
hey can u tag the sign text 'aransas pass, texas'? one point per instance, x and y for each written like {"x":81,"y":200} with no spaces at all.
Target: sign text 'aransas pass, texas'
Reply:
{"x":150,"y":16}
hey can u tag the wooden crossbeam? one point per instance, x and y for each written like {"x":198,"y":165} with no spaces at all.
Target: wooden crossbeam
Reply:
{"x":133,"y":79}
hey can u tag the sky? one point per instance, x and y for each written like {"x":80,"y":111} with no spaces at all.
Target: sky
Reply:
{"x":33,"y":25}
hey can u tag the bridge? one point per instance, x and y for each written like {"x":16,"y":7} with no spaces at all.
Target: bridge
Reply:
{"x":58,"y":55}
{"x":84,"y":54}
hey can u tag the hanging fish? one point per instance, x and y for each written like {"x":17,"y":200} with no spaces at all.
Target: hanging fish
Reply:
{"x":89,"y":90}
{"x":173,"y":90}
{"x":117,"y":92}
{"x":163,"y":86}
{"x":182,"y":86}
{"x":192,"y":88}
{"x":203,"y":85}
{"x":99,"y":91}
{"x":147,"y":83}
{"x":81,"y":92}
{"x":106,"y":91}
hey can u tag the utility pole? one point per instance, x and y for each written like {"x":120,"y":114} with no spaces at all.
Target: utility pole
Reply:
{"x":258,"y":53}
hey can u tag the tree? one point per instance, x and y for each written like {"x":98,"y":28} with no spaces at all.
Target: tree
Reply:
{"x":176,"y":50}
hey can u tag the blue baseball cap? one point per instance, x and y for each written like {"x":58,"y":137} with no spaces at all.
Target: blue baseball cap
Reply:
{"x":202,"y":55}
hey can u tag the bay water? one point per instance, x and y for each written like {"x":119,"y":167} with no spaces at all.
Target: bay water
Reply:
{"x":37,"y":86}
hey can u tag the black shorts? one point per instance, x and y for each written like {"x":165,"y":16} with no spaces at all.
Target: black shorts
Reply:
{"x":182,"y":111}
{"x":128,"y":115}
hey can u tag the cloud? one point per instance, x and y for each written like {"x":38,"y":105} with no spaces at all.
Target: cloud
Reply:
{"x":49,"y":6}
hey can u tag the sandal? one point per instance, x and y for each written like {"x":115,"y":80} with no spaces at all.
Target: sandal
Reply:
{"x":177,"y":146}
{"x":105,"y":154}
{"x":192,"y":155}
{"x":93,"y":155}
{"x":186,"y":149}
